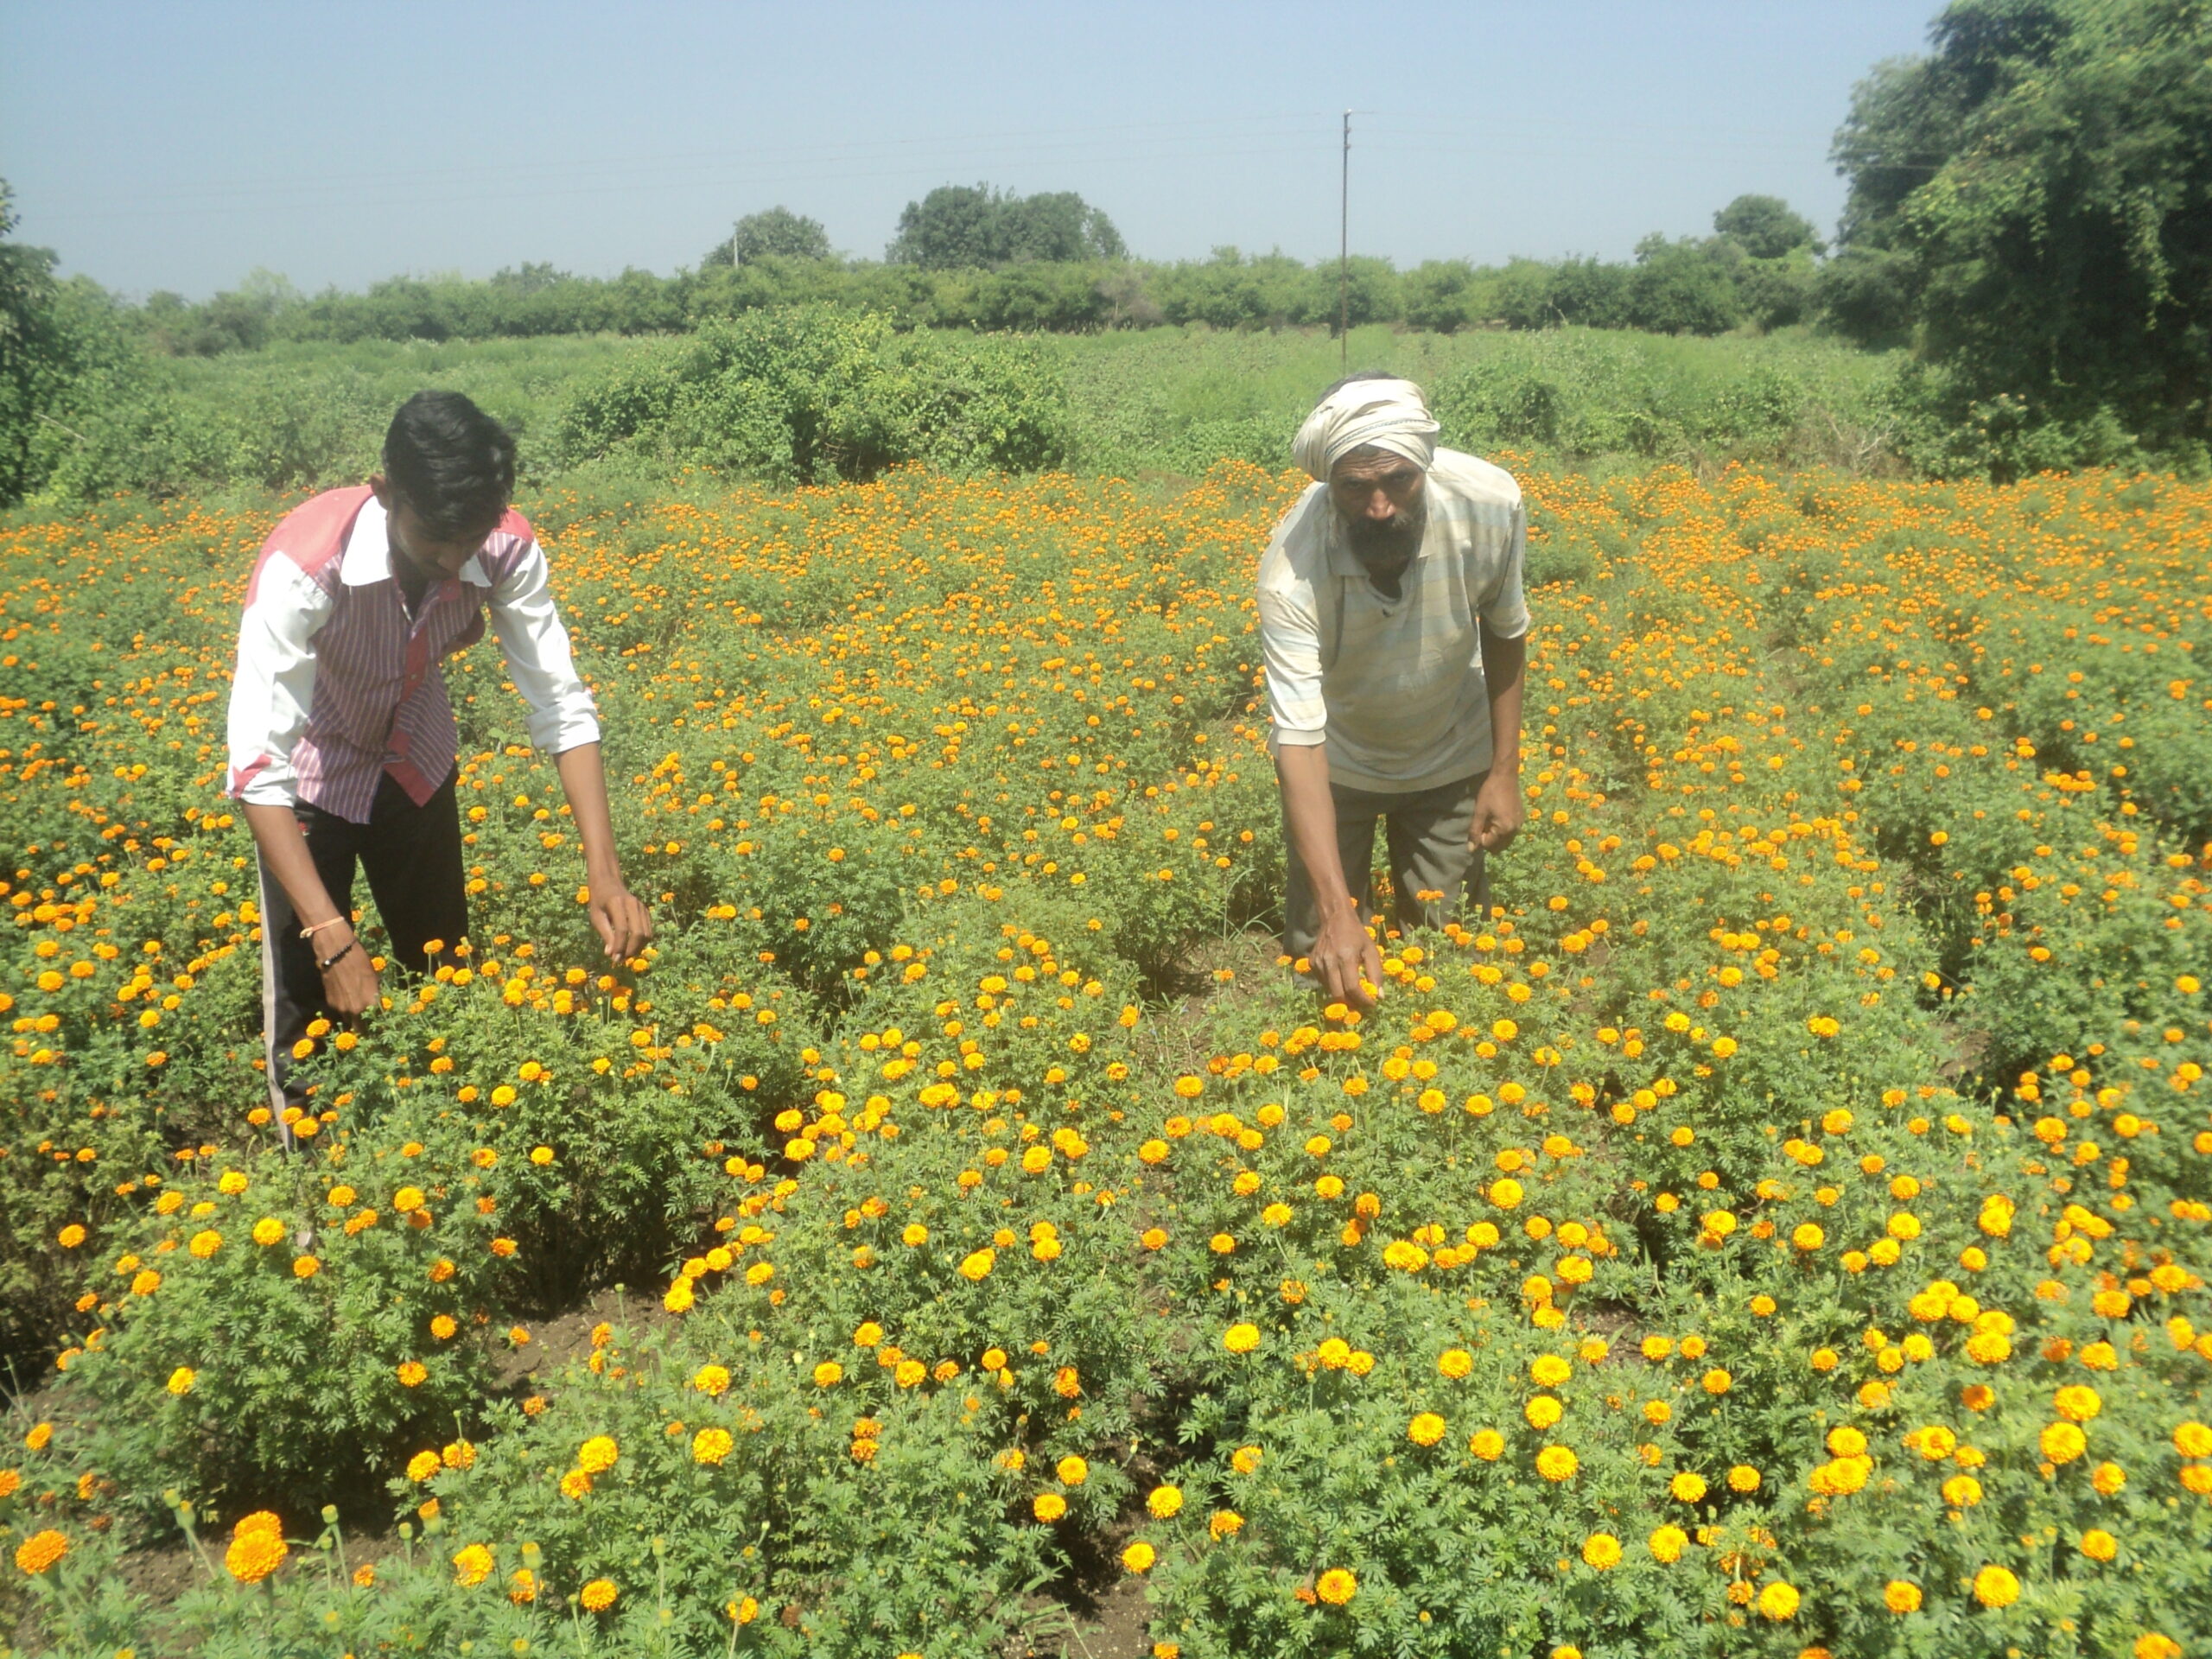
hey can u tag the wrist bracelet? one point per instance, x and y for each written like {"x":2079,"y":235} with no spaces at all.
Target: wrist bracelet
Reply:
{"x":309,"y":932}
{"x":332,"y":961}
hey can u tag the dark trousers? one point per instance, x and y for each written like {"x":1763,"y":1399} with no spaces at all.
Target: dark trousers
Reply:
{"x":1427,"y":831}
{"x":411,"y":856}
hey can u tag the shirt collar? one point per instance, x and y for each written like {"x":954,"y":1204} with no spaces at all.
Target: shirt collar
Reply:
{"x":367,"y":557}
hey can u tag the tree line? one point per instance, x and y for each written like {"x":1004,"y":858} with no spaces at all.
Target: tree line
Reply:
{"x":2028,"y":216}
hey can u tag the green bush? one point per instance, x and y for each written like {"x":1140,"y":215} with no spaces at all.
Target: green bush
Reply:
{"x":816,"y":394}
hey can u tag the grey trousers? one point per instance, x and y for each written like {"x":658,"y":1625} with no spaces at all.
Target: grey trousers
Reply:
{"x":1426,"y":833}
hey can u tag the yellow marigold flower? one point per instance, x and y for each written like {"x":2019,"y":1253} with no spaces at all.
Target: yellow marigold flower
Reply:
{"x":1455,"y":1362}
{"x":268,"y":1231}
{"x":1224,"y":1523}
{"x":257,"y":1548}
{"x":829,"y":1374}
{"x":711,"y":1380}
{"x":597,"y":1454}
{"x":1549,"y":1371}
{"x":422,"y":1466}
{"x":1601,"y":1550}
{"x":1241,"y":1339}
{"x":181,"y":1380}
{"x":411,"y":1372}
{"x":1048,"y":1507}
{"x":305,"y":1267}
{"x":1996,"y":1586}
{"x":1487,"y":1444}
{"x":205,"y":1243}
{"x":2063,"y":1442}
{"x":1164,"y":1501}
{"x":1557,"y":1463}
{"x":575,"y":1483}
{"x":1543,"y":1412}
{"x":711,"y":1445}
{"x":2078,"y":1403}
{"x":41,"y":1551}
{"x":977,"y":1265}
{"x":1687,"y":1487}
{"x":1778,"y":1601}
{"x":1336,"y":1586}
{"x":1666,"y":1544}
{"x":472,"y":1565}
{"x":598,"y":1595}
{"x":1743,"y":1478}
{"x":1426,"y":1429}
{"x":1072,"y":1471}
{"x":1139,"y":1557}
{"x":1245,"y":1459}
{"x":1900,"y":1596}
{"x":522,"y":1587}
{"x":2193,"y":1439}
{"x":1807,"y":1237}
{"x":2098,"y":1545}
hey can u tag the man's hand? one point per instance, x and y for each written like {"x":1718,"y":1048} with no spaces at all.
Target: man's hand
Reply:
{"x":619,"y":917}
{"x":1345,"y":958}
{"x":350,"y":987}
{"x":1499,"y":812}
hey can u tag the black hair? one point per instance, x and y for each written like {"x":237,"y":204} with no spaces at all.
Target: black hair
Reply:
{"x":1350,"y":379}
{"x":451,"y":462}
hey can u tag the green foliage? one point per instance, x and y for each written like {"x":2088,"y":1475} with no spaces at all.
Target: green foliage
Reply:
{"x":2034,"y":200}
{"x":958,"y":227}
{"x":816,"y":394}
{"x":775,"y":234}
{"x":1765,"y":228}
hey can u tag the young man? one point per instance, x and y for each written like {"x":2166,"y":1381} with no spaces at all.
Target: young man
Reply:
{"x":342,"y":741}
{"x":1394,"y":627}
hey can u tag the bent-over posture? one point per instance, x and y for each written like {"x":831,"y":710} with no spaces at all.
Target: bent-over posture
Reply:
{"x":342,"y":743}
{"x":1394,"y":627}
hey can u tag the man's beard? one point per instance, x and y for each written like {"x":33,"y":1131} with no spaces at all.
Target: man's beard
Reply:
{"x":1388,"y":542}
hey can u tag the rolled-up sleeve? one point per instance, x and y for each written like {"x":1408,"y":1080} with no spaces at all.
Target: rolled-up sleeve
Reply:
{"x":1290,"y":642}
{"x":536,"y":646}
{"x":1505,"y":608}
{"x":272,"y":687}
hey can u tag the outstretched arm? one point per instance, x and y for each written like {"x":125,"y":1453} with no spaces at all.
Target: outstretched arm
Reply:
{"x":1500,"y":808}
{"x":617,"y":914}
{"x":1345,"y":958}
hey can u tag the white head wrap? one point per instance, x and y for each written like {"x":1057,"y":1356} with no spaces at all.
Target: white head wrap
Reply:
{"x":1388,"y":414}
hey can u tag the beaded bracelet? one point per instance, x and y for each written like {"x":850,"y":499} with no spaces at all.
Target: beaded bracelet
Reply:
{"x":326,"y":965}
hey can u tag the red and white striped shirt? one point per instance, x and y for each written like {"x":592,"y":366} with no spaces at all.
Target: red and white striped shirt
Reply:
{"x":337,"y":685}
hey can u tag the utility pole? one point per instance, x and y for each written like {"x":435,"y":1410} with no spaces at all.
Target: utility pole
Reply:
{"x":1343,"y":254}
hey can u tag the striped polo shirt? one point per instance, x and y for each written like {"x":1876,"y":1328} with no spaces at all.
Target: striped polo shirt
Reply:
{"x":338,"y":686}
{"x":1394,"y":688}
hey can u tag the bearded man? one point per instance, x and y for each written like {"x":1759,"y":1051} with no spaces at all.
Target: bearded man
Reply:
{"x":1394,"y":631}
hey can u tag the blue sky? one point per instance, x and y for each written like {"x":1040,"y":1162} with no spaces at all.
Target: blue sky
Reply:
{"x":180,"y":147}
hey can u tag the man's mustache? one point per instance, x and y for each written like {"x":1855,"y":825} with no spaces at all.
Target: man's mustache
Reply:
{"x":1398,"y":527}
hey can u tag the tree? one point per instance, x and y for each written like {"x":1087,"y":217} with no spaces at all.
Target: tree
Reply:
{"x":959,"y":226}
{"x":39,"y":354}
{"x":777,"y":234}
{"x":2035,"y":198}
{"x":1765,"y":228}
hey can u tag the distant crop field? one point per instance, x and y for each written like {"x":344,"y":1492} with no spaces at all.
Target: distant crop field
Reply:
{"x":1780,"y":1226}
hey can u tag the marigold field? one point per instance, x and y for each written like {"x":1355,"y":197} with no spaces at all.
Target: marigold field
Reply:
{"x":1780,"y":1227}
